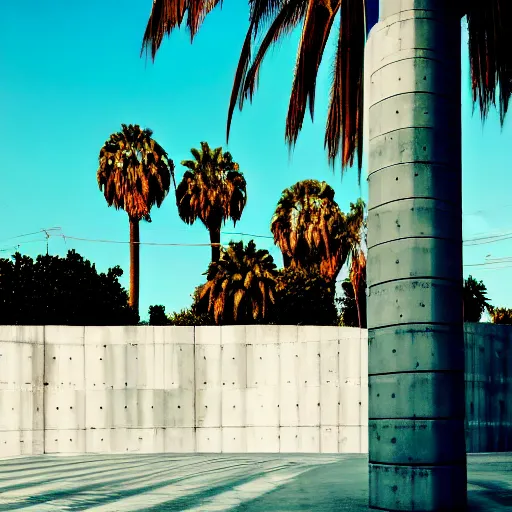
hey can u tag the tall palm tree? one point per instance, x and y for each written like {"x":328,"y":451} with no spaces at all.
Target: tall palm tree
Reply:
{"x":213,"y":190}
{"x":415,"y":220}
{"x":241,"y":285}
{"x":134,"y":174}
{"x":310,"y":229}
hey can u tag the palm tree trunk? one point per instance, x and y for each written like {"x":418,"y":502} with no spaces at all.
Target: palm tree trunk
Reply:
{"x":417,"y":456}
{"x":215,"y":239}
{"x":134,"y":264}
{"x":358,"y":307}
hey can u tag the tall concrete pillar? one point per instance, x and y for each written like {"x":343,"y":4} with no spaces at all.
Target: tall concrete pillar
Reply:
{"x":417,"y":456}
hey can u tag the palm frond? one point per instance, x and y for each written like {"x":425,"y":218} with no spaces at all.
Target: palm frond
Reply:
{"x":166,"y":15}
{"x":134,"y":171}
{"x":345,"y":121}
{"x":317,"y":25}
{"x":490,"y":41}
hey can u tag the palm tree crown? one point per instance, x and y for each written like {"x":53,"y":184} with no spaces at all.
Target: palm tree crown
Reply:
{"x":134,"y":174}
{"x":134,"y":171}
{"x":241,"y":286}
{"x":490,"y":58}
{"x":310,"y":229}
{"x":213,"y":190}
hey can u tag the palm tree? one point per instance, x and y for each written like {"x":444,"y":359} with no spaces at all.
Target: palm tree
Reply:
{"x":415,"y":277}
{"x":501,"y":316}
{"x":134,"y":174}
{"x":213,"y":190}
{"x":356,"y":240}
{"x":310,"y":229}
{"x":241,"y":285}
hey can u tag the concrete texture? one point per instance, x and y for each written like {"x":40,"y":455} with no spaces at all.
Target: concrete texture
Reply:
{"x":230,"y":389}
{"x":214,"y":483}
{"x":415,"y":316}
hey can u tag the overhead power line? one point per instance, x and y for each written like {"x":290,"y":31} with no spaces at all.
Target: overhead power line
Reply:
{"x":494,"y":264}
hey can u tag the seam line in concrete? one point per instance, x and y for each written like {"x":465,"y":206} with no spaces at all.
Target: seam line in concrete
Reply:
{"x":420,"y":418}
{"x":411,"y":127}
{"x":429,"y":163}
{"x":409,"y":238}
{"x":438,"y":94}
{"x":44,"y":389}
{"x":404,"y":324}
{"x":415,"y":58}
{"x":414,"y":371}
{"x":415,"y":278}
{"x":420,"y":465}
{"x":436,"y":199}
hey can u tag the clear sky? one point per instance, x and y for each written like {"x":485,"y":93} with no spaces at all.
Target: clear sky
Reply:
{"x":70,"y":74}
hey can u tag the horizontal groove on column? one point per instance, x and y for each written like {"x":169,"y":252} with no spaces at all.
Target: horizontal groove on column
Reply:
{"x":403,"y":324}
{"x":441,"y":95}
{"x":404,"y":128}
{"x":419,"y":464}
{"x":415,"y":57}
{"x":410,"y":238}
{"x":415,"y":278}
{"x":413,"y":198}
{"x":420,"y":418}
{"x":424,"y":162}
{"x":387,"y":509}
{"x":414,"y":371}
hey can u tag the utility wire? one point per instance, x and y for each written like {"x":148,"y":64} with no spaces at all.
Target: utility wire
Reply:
{"x":56,"y":228}
{"x":476,"y":241}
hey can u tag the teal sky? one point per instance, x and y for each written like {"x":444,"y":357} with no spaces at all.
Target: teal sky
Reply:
{"x":71,"y":74}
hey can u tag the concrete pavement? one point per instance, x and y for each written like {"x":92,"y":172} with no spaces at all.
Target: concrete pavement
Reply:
{"x":218,"y":482}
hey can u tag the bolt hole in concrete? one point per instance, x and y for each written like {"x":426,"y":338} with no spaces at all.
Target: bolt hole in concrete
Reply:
{"x":392,"y":395}
{"x":394,"y":351}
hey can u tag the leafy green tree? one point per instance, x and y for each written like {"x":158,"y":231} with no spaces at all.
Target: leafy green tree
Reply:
{"x":192,"y":315}
{"x":475,"y":300}
{"x":213,"y":190}
{"x":240,"y":288}
{"x":304,"y":298}
{"x":134,"y":174}
{"x":61,"y":291}
{"x":157,"y":315}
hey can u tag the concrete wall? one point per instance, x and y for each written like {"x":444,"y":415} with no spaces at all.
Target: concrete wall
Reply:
{"x":215,"y":389}
{"x":488,"y":390}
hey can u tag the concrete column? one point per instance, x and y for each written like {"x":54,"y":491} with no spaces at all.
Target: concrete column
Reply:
{"x":417,"y":456}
